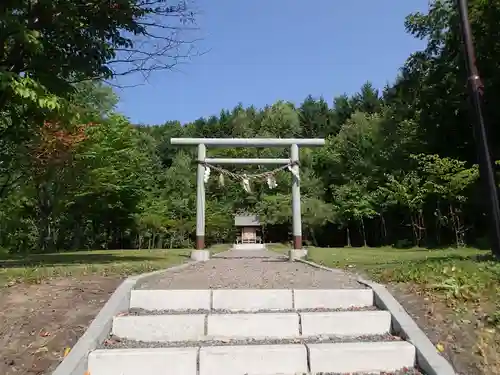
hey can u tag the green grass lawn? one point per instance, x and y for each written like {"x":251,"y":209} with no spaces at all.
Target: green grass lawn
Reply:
{"x":458,"y":276}
{"x":37,"y":267}
{"x":465,"y":273}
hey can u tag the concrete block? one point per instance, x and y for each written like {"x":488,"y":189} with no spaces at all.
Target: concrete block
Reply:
{"x":361,"y":357}
{"x":297,"y":253}
{"x":252,"y":299}
{"x":143,"y":361}
{"x":253,"y":360}
{"x":170,"y":299}
{"x":332,"y":298}
{"x":346,"y":323}
{"x":260,"y":325}
{"x":200,"y":255}
{"x":162,"y":328}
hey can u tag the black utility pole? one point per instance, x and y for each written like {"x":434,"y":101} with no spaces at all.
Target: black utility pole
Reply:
{"x":486,"y":171}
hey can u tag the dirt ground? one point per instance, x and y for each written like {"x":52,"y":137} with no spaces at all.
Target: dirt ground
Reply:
{"x":455,"y":331}
{"x":37,"y":322}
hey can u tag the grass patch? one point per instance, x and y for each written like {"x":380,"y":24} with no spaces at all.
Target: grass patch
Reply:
{"x":35,"y":268}
{"x":460,"y":274}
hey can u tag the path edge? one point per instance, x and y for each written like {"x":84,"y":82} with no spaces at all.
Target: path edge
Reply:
{"x":428,"y":359}
{"x":75,"y":363}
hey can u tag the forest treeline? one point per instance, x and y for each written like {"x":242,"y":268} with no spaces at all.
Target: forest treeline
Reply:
{"x":398,"y":168}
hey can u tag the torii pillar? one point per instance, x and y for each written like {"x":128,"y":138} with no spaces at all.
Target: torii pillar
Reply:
{"x":200,"y":198}
{"x":296,"y":209}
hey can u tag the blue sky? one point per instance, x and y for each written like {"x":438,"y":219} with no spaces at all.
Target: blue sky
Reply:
{"x":261,"y":51}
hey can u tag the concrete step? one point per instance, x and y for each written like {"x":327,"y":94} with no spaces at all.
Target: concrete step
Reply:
{"x":346,"y":323}
{"x":249,"y":300}
{"x":160,"y":328}
{"x":368,"y":357}
{"x":255,"y":359}
{"x":253,"y":332}
{"x":189,"y":299}
{"x":143,"y":361}
{"x":194,"y":327}
{"x":262,"y":360}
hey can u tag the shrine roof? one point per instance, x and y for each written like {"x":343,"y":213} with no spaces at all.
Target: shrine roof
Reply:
{"x":246,"y":221}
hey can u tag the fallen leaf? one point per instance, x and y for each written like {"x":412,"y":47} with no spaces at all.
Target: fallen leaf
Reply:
{"x":66,"y":351}
{"x":440,"y":347}
{"x":44,"y":334}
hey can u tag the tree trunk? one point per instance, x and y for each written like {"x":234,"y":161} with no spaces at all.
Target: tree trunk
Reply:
{"x":153,"y":239}
{"x":414,"y":229}
{"x":457,"y":226}
{"x":438,"y":223}
{"x":422,"y":232}
{"x":363,"y":232}
{"x":313,"y":236}
{"x":44,"y":222}
{"x":348,"y":237}
{"x":384,"y":227}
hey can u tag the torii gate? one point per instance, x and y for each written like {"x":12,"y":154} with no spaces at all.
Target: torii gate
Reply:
{"x":201,"y":253}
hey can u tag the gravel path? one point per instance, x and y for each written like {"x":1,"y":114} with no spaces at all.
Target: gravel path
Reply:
{"x":139,"y":312}
{"x":117,"y":343}
{"x":244,"y":269}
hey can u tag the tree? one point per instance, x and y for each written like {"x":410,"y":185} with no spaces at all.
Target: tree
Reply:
{"x":449,"y":180}
{"x":316,"y":119}
{"x":85,"y":41}
{"x":316,"y":213}
{"x":94,"y":39}
{"x":52,"y":163}
{"x":407,"y":191}
{"x":117,"y":172}
{"x":434,"y":78}
{"x":367,"y":100}
{"x":342,"y":109}
{"x":352,"y":203}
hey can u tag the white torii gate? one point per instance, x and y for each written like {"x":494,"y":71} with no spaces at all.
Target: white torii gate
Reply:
{"x":201,"y":253}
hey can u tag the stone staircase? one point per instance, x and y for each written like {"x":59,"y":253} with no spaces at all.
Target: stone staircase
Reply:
{"x":252,"y":332}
